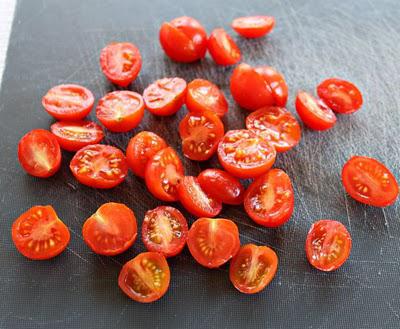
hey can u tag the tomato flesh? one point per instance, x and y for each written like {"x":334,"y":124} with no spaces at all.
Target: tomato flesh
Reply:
{"x":222,"y":48}
{"x":253,"y":26}
{"x":276,"y":82}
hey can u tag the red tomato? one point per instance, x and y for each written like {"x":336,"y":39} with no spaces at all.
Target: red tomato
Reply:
{"x":163,"y":173}
{"x":245,"y":154}
{"x":195,"y":200}
{"x":276,"y":82}
{"x":269,"y":200}
{"x":222,"y":48}
{"x":369,"y":181}
{"x":213,"y":241}
{"x":314,"y":113}
{"x":121,"y":110}
{"x":200,"y":134}
{"x":68,"y":102}
{"x":39,"y":153}
{"x":73,"y":135}
{"x":121,"y":62}
{"x":253,"y":268}
{"x":203,"y":95}
{"x":39,"y":234}
{"x":111,"y":229}
{"x":253,"y":26}
{"x":99,"y":166}
{"x":340,"y":95}
{"x":184,"y":39}
{"x":221,"y":186}
{"x":141,"y":148}
{"x":145,"y":278}
{"x":328,"y":245}
{"x":165,"y":96}
{"x":277,"y":125}
{"x":164,"y":230}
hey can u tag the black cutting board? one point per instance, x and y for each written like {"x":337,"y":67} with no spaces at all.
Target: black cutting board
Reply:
{"x":55,"y":42}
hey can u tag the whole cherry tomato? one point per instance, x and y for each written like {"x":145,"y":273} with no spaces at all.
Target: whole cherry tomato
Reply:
{"x":222,"y":48}
{"x":253,"y":26}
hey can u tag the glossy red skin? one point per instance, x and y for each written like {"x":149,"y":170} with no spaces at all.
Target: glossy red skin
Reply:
{"x":222,"y":48}
{"x":60,"y":111}
{"x":276,"y":81}
{"x":141,"y":148}
{"x":99,"y":166}
{"x":275,"y":215}
{"x":195,"y":200}
{"x":221,"y":186}
{"x":382,"y":187}
{"x":29,"y":145}
{"x":340,"y":95}
{"x":73,"y":135}
{"x":177,"y":223}
{"x":253,"y":26}
{"x":330,"y":230}
{"x":113,"y":54}
{"x":165,"y":96}
{"x":314,"y":112}
{"x":183,"y":39}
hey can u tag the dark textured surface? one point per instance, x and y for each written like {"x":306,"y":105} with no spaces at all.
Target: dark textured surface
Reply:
{"x":54,"y":42}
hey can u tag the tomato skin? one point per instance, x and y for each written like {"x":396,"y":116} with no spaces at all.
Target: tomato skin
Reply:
{"x":255,"y":257}
{"x":33,"y":147}
{"x":253,"y":26}
{"x":221,"y":186}
{"x":141,"y":148}
{"x":274,"y":186}
{"x":369,"y":181}
{"x":340,"y":95}
{"x":38,"y":228}
{"x":218,"y":236}
{"x":276,"y":81}
{"x":222,"y":48}
{"x":121,"y":62}
{"x":319,"y":250}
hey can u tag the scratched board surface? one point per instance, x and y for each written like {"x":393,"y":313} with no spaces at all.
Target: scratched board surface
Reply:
{"x":55,"y":42}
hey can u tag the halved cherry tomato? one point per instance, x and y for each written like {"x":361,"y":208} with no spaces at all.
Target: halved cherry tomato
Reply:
{"x":253,"y":26}
{"x":163,"y":173}
{"x":328,"y":245}
{"x":314,"y":112}
{"x":200,"y":134}
{"x":73,"y":135}
{"x":121,"y":110}
{"x":39,"y":153}
{"x":276,"y":82}
{"x":221,"y":186}
{"x":121,"y":62}
{"x":145,"y":278}
{"x":369,"y":181}
{"x":164,"y":230}
{"x":39,"y":234}
{"x":195,"y":200}
{"x":269,"y":200}
{"x":340,"y":95}
{"x":245,"y":154}
{"x":213,"y":241}
{"x":68,"y":102}
{"x":277,"y":125}
{"x":165,"y":96}
{"x":183,"y":39}
{"x":222,"y":48}
{"x":141,"y":148}
{"x":253,"y":268}
{"x":203,"y":95}
{"x":111,"y":230}
{"x":99,"y":166}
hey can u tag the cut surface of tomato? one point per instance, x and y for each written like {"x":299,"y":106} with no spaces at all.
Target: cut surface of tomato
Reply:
{"x":276,"y":82}
{"x":222,"y":48}
{"x":253,"y":26}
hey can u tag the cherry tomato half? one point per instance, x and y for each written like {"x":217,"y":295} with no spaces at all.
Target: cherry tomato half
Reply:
{"x":39,"y":153}
{"x":276,"y":81}
{"x":121,"y":62}
{"x":111,"y":230}
{"x":164,"y":230}
{"x":253,"y":26}
{"x":222,"y":48}
{"x":269,"y":200}
{"x":39,"y":234}
{"x":328,"y":245}
{"x":369,"y":181}
{"x":99,"y":166}
{"x":145,"y":278}
{"x":253,"y":268}
{"x":213,"y":241}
